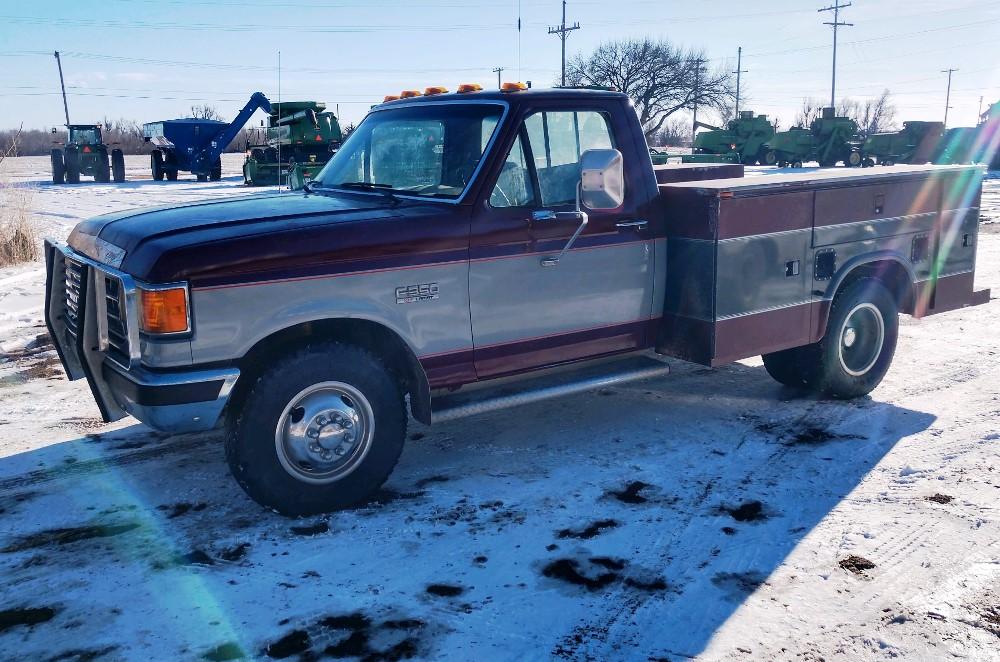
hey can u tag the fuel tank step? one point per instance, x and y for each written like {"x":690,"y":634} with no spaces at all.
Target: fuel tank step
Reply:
{"x":552,"y":384}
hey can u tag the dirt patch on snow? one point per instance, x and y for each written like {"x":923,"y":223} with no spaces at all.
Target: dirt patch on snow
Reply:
{"x":856,"y":564}
{"x":65,"y":536}
{"x":592,"y":530}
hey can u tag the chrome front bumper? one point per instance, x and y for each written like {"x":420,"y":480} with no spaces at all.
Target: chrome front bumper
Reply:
{"x":171,"y":401}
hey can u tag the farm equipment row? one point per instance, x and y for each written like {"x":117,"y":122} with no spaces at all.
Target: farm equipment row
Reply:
{"x":299,"y":139}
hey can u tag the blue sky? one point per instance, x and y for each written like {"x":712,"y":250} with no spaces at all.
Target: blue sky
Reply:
{"x":153,"y":59}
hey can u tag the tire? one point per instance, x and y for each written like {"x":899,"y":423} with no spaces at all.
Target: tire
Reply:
{"x":102,"y":168}
{"x":868,"y":163}
{"x":796,"y":164}
{"x":58,"y":167}
{"x":771,"y":158}
{"x":316,"y":377}
{"x":888,"y":162}
{"x":156,"y":164}
{"x":787,"y":367}
{"x":202,"y":178}
{"x":71,"y":158}
{"x":854,"y":159}
{"x":118,"y":165}
{"x":849,"y":366}
{"x":216,"y":173}
{"x":171,"y":175}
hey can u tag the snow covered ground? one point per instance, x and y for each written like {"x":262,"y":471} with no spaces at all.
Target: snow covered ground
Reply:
{"x":711,"y":514}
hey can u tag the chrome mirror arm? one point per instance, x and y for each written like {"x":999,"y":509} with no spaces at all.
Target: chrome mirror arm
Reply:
{"x":553,"y":260}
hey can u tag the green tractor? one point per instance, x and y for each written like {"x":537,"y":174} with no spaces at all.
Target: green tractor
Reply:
{"x":828,"y":140}
{"x":85,"y":153}
{"x":915,"y":143}
{"x":742,"y":141}
{"x":300,"y":138}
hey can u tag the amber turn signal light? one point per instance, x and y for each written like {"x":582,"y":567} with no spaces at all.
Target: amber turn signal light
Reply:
{"x":436,"y":89}
{"x":469,"y":87}
{"x":407,"y":94}
{"x":164,"y":311}
{"x":513,"y":87}
{"x":390,"y":97}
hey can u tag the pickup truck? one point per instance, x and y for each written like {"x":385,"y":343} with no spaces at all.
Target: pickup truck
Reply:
{"x":469,"y":251}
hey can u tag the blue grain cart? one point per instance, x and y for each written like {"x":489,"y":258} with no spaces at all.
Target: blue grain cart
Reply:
{"x":196,"y":145}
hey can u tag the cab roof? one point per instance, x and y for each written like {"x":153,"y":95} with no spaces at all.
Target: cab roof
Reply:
{"x":533,"y":94}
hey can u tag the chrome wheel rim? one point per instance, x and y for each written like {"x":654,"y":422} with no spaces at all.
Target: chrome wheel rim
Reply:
{"x":325,"y":432}
{"x":861,"y":338}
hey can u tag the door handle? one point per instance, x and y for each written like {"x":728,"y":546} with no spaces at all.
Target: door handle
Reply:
{"x":638,"y":224}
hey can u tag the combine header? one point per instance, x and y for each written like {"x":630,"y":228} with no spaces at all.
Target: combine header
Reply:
{"x":300,"y":138}
{"x":742,"y":141}
{"x":196,"y":145}
{"x":828,"y":140}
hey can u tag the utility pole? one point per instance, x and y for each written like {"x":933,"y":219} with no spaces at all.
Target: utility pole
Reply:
{"x":837,"y":23}
{"x":497,"y":71}
{"x":738,"y":72}
{"x":697,"y":95}
{"x":947,"y":98}
{"x":563,"y":31}
{"x":979,"y":113}
{"x":63,"y":86}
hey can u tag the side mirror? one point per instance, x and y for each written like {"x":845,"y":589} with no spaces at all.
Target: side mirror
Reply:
{"x":602,"y":179}
{"x":54,"y":130}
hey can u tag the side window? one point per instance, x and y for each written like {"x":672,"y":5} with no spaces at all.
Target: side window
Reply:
{"x":514,"y":187}
{"x":557,"y":140}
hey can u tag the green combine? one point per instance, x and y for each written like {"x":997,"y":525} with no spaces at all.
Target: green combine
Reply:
{"x":828,"y":140}
{"x":915,"y":143}
{"x":300,"y":138}
{"x":742,"y":141}
{"x":85,"y":153}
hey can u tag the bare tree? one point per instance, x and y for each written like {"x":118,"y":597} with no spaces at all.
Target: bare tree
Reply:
{"x":659,"y":77}
{"x":875,"y":115}
{"x":206,"y":112}
{"x":11,"y":147}
{"x":675,"y":132}
{"x":811,"y":109}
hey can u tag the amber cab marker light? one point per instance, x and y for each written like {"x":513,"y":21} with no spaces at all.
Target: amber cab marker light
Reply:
{"x":469,"y":87}
{"x":407,"y":94}
{"x":390,"y":97}
{"x":513,"y":87}
{"x":435,"y":89}
{"x":164,"y":311}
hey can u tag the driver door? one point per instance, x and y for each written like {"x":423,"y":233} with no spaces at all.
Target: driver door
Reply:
{"x":596,"y":299}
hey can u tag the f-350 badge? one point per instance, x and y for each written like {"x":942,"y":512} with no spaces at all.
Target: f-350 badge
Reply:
{"x":414,"y":293}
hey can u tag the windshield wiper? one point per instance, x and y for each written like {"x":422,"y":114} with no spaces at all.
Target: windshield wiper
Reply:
{"x":384,"y":189}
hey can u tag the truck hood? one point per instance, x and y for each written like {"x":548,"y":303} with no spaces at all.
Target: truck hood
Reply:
{"x":136,"y":241}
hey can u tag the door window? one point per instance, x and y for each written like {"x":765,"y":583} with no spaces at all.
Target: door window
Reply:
{"x":514,"y":188}
{"x":557,"y":139}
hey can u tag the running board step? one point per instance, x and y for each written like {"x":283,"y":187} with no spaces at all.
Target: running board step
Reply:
{"x":552,"y":385}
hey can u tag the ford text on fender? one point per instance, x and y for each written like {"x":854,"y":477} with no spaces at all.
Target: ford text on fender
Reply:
{"x":464,"y":252}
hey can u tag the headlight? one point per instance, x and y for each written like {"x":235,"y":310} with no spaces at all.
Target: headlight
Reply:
{"x":164,"y":310}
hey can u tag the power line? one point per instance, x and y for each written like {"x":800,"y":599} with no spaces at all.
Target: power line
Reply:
{"x":563,"y":31}
{"x":836,"y":23}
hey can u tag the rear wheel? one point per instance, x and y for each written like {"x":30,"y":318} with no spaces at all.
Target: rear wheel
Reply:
{"x":156,"y":164}
{"x":102,"y":168}
{"x":860,"y":341}
{"x":71,"y":158}
{"x":854,"y":159}
{"x":321,"y":430}
{"x":58,"y":168}
{"x":771,"y":157}
{"x":216,"y":173}
{"x":118,"y":165}
{"x":202,"y":178}
{"x":796,"y":164}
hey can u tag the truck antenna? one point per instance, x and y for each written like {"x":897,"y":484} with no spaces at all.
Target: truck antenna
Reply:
{"x":836,"y":23}
{"x":279,"y":117}
{"x":63,"y":86}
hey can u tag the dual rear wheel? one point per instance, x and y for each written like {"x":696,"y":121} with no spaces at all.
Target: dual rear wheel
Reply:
{"x":856,"y":351}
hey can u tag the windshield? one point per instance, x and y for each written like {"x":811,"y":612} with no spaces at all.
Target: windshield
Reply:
{"x":427,"y":150}
{"x":83,"y":136}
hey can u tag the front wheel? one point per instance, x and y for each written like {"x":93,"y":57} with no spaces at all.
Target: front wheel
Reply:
{"x":58,"y":168}
{"x":321,"y":430}
{"x":156,"y":164}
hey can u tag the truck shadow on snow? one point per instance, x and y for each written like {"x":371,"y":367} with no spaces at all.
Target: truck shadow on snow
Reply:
{"x":635,"y":519}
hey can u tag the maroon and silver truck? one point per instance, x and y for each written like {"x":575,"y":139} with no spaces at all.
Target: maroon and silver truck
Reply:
{"x":471,"y":251}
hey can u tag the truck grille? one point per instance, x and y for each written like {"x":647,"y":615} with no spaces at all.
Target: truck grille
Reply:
{"x":118,"y":346}
{"x":75,"y":279}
